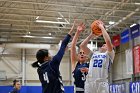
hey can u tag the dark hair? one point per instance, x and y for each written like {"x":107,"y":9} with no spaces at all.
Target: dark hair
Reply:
{"x":40,"y":55}
{"x":15,"y":81}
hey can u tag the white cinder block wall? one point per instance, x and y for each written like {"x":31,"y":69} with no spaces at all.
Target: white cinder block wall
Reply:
{"x":11,"y":62}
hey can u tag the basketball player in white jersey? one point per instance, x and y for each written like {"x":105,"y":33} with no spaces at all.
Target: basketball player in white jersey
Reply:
{"x":97,"y":78}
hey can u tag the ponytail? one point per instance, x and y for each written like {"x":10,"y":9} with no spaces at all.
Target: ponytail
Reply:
{"x":35,"y":64}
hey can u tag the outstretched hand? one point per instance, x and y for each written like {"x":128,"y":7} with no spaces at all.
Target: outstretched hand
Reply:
{"x":81,"y":27}
{"x":73,"y":25}
{"x":72,"y":28}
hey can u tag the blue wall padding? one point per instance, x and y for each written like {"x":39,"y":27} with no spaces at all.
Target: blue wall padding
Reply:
{"x":32,"y":89}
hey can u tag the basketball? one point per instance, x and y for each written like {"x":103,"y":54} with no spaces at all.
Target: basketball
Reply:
{"x":94,"y":27}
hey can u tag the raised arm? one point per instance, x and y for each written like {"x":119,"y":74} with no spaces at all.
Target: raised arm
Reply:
{"x":106,"y":37}
{"x":71,"y":30}
{"x":58,"y":57}
{"x":83,"y":45}
{"x":80,"y":28}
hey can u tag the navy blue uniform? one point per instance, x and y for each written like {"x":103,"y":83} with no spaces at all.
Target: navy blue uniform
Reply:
{"x":15,"y":91}
{"x":49,"y":73}
{"x":79,"y":77}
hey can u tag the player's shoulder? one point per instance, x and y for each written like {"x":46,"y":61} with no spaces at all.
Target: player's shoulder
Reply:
{"x":111,"y":52}
{"x":77,"y":63}
{"x":87,"y":63}
{"x":43,"y":66}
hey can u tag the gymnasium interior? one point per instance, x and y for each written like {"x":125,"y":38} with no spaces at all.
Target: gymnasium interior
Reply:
{"x":29,"y":25}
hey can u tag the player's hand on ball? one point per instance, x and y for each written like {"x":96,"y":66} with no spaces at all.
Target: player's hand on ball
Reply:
{"x":95,"y":29}
{"x":101,"y":25}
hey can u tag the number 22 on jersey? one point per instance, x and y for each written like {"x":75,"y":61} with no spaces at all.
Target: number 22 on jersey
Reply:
{"x":98,"y":63}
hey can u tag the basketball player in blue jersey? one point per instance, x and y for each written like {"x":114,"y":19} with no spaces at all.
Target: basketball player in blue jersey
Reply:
{"x":79,"y":63}
{"x":97,"y":78}
{"x":48,"y":69}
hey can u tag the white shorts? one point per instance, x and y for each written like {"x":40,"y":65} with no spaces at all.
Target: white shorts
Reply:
{"x":96,"y":86}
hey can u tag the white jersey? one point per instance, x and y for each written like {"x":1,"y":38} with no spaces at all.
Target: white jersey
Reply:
{"x":99,"y":65}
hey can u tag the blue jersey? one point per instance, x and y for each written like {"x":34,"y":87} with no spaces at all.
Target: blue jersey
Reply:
{"x":49,"y":73}
{"x":80,"y":77}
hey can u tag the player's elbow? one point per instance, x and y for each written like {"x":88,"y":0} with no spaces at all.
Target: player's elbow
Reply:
{"x":109,"y":47}
{"x":72,"y":47}
{"x":82,"y":46}
{"x":73,"y":44}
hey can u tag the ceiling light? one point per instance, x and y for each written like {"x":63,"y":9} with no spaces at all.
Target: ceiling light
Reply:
{"x":137,"y":3}
{"x":133,"y":25}
{"x":111,"y":22}
{"x":48,"y":37}
{"x":37,"y":17}
{"x":28,"y":36}
{"x":50,"y":34}
{"x":59,"y":18}
{"x":43,"y":21}
{"x":29,"y":32}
